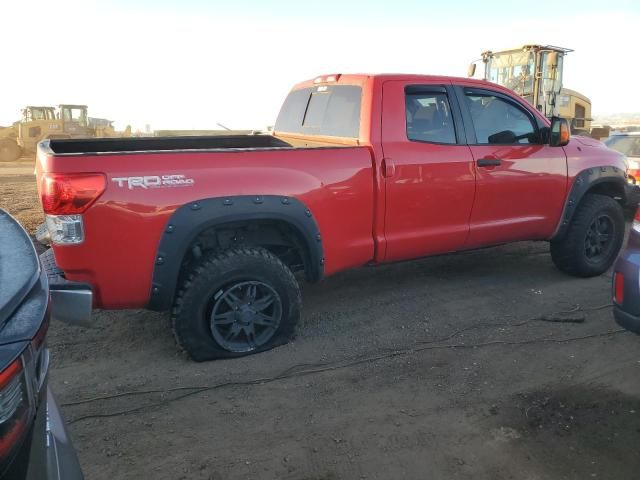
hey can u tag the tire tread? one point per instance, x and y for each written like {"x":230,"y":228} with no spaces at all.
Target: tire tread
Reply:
{"x":205,"y":272}
{"x":567,"y":252}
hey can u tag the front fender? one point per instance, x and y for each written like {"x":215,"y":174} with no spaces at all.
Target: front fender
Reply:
{"x":586,"y":180}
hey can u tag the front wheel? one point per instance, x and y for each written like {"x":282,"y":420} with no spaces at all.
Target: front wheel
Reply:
{"x":9,"y":150}
{"x":235,"y":303}
{"x":593,"y":239}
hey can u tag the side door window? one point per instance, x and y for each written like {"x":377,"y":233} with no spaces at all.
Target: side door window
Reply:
{"x":429,"y":117}
{"x":497,"y":121}
{"x":427,"y":164}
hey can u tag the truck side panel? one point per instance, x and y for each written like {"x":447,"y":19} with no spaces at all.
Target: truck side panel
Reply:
{"x":336,"y":184}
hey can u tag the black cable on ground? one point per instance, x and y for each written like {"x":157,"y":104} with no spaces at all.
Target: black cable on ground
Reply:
{"x":295,"y":370}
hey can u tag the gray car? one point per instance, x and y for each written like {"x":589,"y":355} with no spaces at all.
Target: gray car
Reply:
{"x":33,"y":440}
{"x":626,"y":281}
{"x":627,"y":143}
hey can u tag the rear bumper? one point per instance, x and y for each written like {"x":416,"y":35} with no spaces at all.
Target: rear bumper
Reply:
{"x":71,"y":302}
{"x":62,"y":460}
{"x":52,"y":455}
{"x":627,"y":313}
{"x":626,"y":320}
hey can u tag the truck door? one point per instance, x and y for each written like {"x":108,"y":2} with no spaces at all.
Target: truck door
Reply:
{"x":520,"y":182}
{"x":428,"y":171}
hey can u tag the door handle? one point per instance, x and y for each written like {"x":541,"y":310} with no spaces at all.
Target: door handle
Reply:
{"x":489,"y":162}
{"x":388,"y":167}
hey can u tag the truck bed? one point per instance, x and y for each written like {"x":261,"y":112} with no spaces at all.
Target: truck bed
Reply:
{"x":334,"y":180}
{"x":151,"y":144}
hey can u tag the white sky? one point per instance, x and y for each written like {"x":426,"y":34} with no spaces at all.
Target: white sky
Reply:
{"x":176,"y":67}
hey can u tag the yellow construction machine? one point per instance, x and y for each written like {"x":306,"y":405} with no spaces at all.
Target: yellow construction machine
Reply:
{"x":40,"y":123}
{"x":535,"y":73}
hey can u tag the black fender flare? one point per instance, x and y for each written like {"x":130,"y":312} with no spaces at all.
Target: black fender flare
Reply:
{"x":191,"y":219}
{"x":584,"y":181}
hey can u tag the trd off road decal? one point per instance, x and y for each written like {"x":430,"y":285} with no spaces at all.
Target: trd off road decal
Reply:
{"x":154,"y":181}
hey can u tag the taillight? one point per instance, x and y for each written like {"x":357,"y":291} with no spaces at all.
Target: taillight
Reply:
{"x":22,"y":388}
{"x":70,"y":194}
{"x":41,"y":335}
{"x":636,"y":221}
{"x":14,"y":408}
{"x":618,"y":288}
{"x":40,"y":355}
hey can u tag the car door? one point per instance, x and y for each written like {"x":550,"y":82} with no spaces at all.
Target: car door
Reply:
{"x":521,"y":182}
{"x":428,"y":170}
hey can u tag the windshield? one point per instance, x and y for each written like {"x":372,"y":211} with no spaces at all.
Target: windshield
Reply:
{"x":42,"y":114}
{"x":70,"y":114}
{"x":513,"y":70}
{"x":627,"y":145}
{"x":31,"y":114}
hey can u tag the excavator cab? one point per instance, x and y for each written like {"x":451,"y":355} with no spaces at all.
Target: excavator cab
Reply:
{"x":535,"y":73}
{"x":41,"y":123}
{"x":74,"y":119}
{"x":37,"y":123}
{"x":34,"y":114}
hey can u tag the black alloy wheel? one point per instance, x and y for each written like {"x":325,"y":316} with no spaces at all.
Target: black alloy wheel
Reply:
{"x":599,"y":238}
{"x":245,"y":316}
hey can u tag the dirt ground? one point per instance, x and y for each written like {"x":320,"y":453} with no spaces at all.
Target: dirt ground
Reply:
{"x":481,"y":365}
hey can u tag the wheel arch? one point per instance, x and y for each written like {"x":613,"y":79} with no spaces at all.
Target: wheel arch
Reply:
{"x":605,"y":180}
{"x":197,"y":225}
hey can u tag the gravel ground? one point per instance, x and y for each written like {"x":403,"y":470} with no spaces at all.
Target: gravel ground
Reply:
{"x":18,"y":193}
{"x":480,"y":365}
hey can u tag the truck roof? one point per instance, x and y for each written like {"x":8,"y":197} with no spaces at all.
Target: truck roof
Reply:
{"x":361,"y":78}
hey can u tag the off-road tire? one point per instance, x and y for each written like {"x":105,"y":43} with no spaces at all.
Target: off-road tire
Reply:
{"x":569,"y":253}
{"x":9,"y":150}
{"x":190,"y":316}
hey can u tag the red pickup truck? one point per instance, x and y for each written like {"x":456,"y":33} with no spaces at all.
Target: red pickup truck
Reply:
{"x":360,"y":169}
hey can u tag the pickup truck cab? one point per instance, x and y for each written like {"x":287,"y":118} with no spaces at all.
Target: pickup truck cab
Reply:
{"x":360,"y":169}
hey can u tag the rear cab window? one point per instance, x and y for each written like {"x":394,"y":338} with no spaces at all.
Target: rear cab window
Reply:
{"x":324,"y":110}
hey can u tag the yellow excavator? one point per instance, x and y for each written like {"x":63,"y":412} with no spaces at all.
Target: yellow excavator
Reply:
{"x":23,"y":136}
{"x":535,"y":73}
{"x":40,"y":123}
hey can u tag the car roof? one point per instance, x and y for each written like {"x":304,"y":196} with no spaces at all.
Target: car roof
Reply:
{"x":625,"y":134}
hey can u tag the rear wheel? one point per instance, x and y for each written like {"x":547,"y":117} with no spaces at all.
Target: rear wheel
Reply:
{"x":9,"y":150}
{"x":235,"y":303}
{"x":593,"y":239}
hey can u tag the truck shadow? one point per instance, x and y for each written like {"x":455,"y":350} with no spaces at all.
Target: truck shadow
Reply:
{"x":576,"y":431}
{"x":447,"y":287}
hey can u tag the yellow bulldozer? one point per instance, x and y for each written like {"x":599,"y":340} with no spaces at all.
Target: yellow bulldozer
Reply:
{"x":535,"y":73}
{"x":40,"y":123}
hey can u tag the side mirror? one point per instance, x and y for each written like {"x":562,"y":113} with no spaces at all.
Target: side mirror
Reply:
{"x":560,"y":132}
{"x":471,"y":71}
